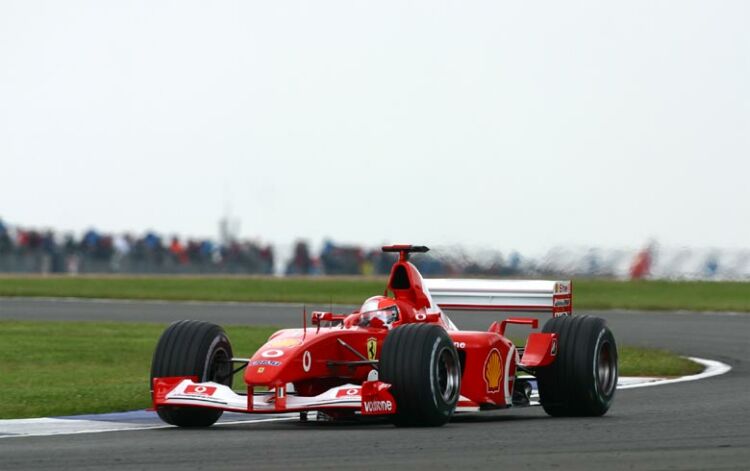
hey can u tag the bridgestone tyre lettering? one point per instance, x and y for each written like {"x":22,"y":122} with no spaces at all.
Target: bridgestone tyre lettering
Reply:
{"x":422,"y":365}
{"x":583,"y":378}
{"x":192,"y":348}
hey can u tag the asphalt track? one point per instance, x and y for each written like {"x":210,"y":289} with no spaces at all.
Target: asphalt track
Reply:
{"x":696,"y":425}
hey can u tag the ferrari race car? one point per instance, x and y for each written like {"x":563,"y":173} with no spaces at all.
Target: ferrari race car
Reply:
{"x":398,"y":356}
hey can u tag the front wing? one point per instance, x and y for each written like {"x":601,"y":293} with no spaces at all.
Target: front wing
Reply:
{"x":371,"y":398}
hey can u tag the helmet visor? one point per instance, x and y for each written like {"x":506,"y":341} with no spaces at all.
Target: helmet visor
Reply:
{"x":387,"y":316}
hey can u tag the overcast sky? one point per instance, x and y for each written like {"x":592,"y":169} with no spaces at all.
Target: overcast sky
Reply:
{"x":517,"y":125}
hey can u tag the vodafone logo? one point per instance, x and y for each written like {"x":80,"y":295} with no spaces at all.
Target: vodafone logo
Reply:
{"x":273,"y":353}
{"x":348,"y":392}
{"x":306,"y":361}
{"x":200,"y":390}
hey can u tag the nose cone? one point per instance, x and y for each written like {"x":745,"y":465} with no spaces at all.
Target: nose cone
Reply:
{"x":275,"y":361}
{"x":287,"y":358}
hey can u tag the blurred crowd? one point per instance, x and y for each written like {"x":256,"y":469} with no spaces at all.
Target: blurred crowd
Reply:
{"x":337,"y":259}
{"x":35,"y":251}
{"x":29,"y":250}
{"x":25,"y":250}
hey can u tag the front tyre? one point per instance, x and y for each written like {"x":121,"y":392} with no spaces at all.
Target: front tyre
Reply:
{"x":583,"y":378}
{"x":192,"y":348}
{"x":421,"y":363}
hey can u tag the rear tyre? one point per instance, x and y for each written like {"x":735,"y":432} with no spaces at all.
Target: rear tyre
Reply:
{"x":583,"y":378}
{"x":192,"y":348}
{"x":421,"y":363}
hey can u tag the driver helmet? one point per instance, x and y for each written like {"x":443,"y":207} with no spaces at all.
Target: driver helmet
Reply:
{"x":378,"y":310}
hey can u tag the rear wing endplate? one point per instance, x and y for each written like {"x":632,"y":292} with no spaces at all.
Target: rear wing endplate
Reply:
{"x":555,"y":297}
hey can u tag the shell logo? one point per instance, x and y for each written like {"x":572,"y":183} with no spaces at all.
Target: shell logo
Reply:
{"x":284,"y":343}
{"x":493,"y":370}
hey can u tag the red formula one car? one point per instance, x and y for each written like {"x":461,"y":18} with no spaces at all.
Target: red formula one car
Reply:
{"x":398,"y":356}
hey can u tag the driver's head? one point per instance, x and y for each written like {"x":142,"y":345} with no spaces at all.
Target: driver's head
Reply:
{"x":378,"y":311}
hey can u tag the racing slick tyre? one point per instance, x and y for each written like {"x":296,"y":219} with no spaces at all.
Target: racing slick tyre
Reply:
{"x":583,"y":378}
{"x":421,"y":363}
{"x":192,"y":348}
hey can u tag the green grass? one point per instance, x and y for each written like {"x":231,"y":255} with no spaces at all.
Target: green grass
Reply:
{"x":588,"y":294}
{"x":636,"y":361}
{"x":314,"y":290}
{"x":66,"y":368}
{"x":662,"y":295}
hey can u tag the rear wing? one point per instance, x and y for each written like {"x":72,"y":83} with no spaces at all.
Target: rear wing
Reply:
{"x":555,"y":297}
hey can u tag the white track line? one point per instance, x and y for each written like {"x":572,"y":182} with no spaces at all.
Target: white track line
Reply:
{"x":51,"y":426}
{"x":43,"y":427}
{"x":713,"y":368}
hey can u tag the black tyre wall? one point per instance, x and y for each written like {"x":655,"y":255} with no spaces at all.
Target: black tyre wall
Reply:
{"x":192,"y":348}
{"x":575,"y":385}
{"x":408,"y":355}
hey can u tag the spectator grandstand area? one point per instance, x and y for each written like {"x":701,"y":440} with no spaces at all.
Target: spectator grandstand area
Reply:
{"x":30,"y":250}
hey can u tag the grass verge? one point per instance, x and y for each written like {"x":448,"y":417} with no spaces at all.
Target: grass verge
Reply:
{"x":312,"y":290}
{"x":589,"y":294}
{"x":66,"y":368}
{"x":637,"y":361}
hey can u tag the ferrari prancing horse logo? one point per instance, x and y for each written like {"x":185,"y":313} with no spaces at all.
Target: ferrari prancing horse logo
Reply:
{"x":372,"y":348}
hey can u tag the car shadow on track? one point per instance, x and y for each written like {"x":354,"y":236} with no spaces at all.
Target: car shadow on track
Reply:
{"x":365,"y":423}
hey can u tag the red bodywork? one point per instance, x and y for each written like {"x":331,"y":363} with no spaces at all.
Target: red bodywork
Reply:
{"x":331,"y":367}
